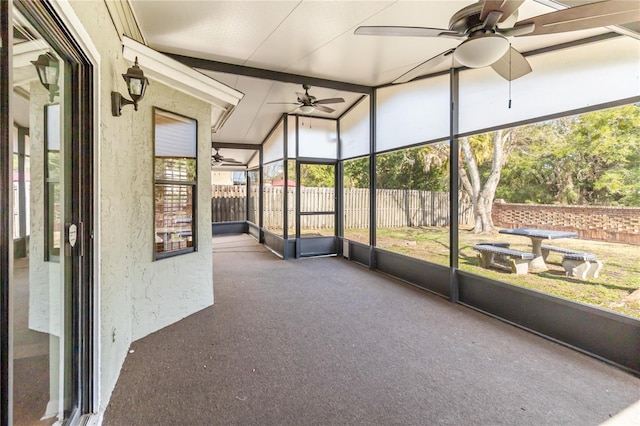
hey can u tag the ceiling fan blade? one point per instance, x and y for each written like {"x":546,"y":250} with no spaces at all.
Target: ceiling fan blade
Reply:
{"x":422,"y":68}
{"x":323,"y":108}
{"x":283,"y":103}
{"x":329,"y":101}
{"x":231,"y":160}
{"x":507,"y":7}
{"x":406,"y":31}
{"x":520,"y":30}
{"x":492,"y":19}
{"x":512,"y":65}
{"x":592,"y":15}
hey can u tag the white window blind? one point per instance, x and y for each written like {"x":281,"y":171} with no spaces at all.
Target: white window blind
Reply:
{"x":175,"y":136}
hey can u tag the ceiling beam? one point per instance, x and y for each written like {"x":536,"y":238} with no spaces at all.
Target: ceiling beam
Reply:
{"x":216,"y":66}
{"x":231,"y":145}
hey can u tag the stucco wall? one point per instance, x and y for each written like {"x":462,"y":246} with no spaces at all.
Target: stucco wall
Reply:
{"x":137,"y":294}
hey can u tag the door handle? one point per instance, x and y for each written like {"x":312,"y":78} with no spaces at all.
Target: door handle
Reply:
{"x":74,"y":238}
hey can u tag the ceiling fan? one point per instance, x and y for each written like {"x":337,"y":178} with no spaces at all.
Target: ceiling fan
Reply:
{"x":219,"y":160}
{"x":307,"y":103}
{"x":484,"y":26}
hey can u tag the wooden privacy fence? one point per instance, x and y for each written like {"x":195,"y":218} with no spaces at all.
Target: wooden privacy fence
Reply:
{"x":228,"y":209}
{"x":228,"y":203}
{"x":396,"y":208}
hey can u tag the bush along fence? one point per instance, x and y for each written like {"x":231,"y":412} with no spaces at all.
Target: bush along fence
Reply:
{"x":398,"y":208}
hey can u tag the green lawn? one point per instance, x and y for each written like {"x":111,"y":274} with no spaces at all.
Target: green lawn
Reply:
{"x":613,"y":289}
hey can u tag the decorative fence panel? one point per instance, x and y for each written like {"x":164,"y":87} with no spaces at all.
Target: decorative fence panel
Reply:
{"x":605,"y":223}
{"x":397,"y":208}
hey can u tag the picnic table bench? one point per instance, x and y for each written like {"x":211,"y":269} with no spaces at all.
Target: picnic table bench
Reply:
{"x":536,"y":236}
{"x":576,"y":263}
{"x":518,"y":260}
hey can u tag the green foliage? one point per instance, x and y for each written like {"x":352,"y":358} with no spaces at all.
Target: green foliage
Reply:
{"x":356,"y":173}
{"x":317,"y":175}
{"x":422,"y":168}
{"x":592,"y":158}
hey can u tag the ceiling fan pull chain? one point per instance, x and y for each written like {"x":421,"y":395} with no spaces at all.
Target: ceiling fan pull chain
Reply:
{"x":509,"y":75}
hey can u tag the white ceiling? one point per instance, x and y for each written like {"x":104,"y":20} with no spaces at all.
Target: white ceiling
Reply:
{"x":307,"y":38}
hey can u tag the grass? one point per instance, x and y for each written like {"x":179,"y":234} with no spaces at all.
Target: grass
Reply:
{"x":613,"y":289}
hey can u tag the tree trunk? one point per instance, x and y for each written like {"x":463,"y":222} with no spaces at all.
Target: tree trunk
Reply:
{"x":482,"y":195}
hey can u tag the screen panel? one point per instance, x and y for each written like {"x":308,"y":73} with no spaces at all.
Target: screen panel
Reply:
{"x":411,"y":113}
{"x":273,"y":148}
{"x":254,"y":161}
{"x":291,"y":137}
{"x":318,"y":138}
{"x":563,"y":80}
{"x":355,"y":130}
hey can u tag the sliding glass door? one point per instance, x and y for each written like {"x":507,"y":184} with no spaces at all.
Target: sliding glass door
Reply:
{"x":48,"y":270}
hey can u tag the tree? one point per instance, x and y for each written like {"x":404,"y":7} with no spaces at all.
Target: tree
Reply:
{"x":356,"y":173}
{"x":424,"y":168}
{"x":475,"y":153}
{"x":591,"y":158}
{"x":317,"y":175}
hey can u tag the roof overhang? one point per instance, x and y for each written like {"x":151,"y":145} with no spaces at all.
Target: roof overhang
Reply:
{"x":176,"y":75}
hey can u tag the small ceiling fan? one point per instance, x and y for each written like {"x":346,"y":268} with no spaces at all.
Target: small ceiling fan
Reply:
{"x":219,"y":160}
{"x":307,"y":103}
{"x":484,"y":26}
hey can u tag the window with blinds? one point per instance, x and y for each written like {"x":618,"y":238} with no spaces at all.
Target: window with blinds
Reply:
{"x":175,"y":140}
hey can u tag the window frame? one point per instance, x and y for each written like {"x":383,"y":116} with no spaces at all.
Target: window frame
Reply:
{"x":193,"y":185}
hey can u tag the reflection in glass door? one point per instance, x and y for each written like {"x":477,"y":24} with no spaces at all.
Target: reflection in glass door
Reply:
{"x":40,"y":310}
{"x":317,"y":214}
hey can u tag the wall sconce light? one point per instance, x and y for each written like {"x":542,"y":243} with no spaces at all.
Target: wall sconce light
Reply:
{"x":136,"y":85}
{"x":48,"y":69}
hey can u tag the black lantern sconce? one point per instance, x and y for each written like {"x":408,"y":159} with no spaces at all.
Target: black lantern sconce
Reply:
{"x":48,"y":69}
{"x":136,"y":85}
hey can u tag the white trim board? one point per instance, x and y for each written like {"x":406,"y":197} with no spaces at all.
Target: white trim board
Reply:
{"x":174,"y":74}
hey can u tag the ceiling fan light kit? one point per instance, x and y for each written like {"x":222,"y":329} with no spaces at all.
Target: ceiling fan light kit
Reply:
{"x":481,"y":50}
{"x":306,"y":109}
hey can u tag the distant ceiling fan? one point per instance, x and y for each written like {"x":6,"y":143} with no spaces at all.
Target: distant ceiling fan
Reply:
{"x":307,"y":103}
{"x":485,"y":26}
{"x":219,"y":160}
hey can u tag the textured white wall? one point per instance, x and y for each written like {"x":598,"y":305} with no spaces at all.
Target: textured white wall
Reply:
{"x":137,"y":294}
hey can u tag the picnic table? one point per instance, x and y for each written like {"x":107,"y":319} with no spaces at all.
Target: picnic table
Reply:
{"x":537,"y":236}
